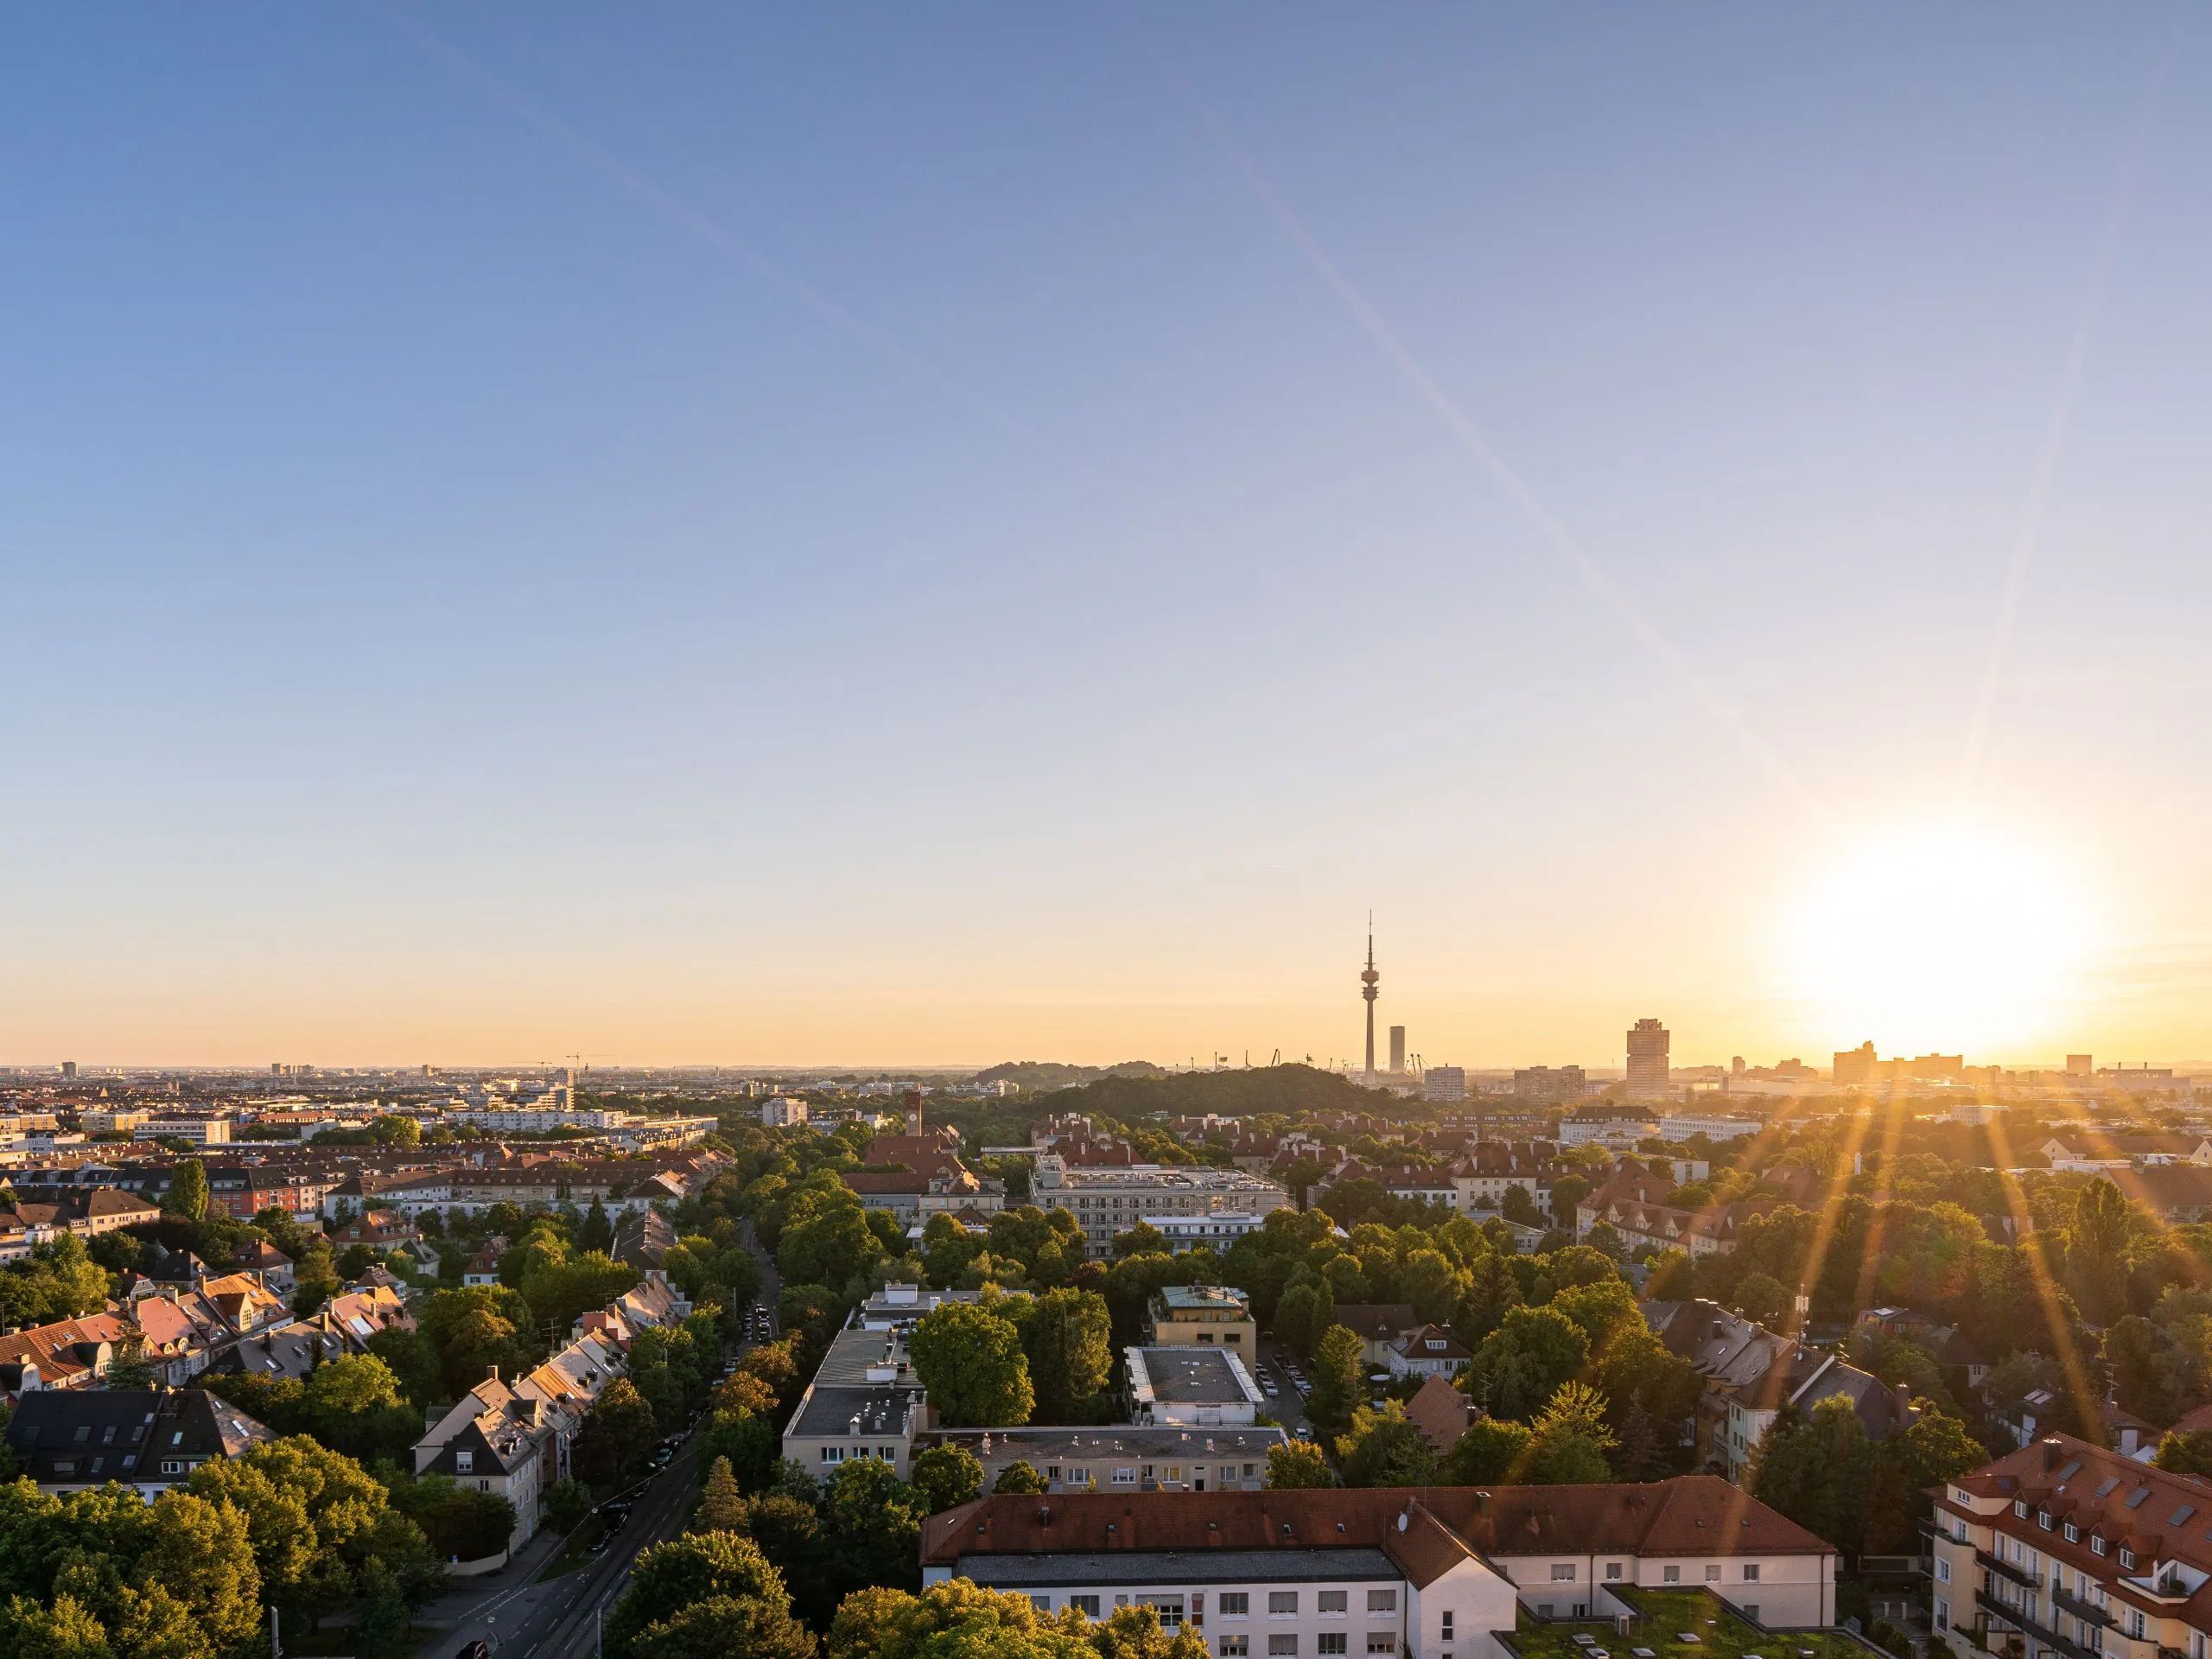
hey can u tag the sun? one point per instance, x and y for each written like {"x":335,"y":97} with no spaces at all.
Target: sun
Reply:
{"x":1949,"y":939}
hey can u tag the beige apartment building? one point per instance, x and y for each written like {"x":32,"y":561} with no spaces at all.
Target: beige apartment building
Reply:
{"x":1203,"y":1315}
{"x":1112,"y":1199}
{"x":2065,"y":1550}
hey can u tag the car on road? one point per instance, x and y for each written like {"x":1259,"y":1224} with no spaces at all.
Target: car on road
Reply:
{"x":598,"y":1546}
{"x":479,"y":1649}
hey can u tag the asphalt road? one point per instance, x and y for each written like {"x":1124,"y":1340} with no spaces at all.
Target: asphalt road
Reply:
{"x":559,"y":1620}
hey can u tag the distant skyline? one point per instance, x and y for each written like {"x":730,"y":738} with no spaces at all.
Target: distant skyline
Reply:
{"x":910,"y":536}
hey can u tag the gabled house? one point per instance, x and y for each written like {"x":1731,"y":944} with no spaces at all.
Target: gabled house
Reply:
{"x":146,"y":1439}
{"x":1429,"y":1350}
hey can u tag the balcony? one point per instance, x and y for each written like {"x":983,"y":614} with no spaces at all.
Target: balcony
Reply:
{"x":2067,"y":1601}
{"x":2044,"y":1633}
{"x":2005,"y":1569}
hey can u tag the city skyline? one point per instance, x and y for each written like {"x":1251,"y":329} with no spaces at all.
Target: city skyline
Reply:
{"x":775,"y":537}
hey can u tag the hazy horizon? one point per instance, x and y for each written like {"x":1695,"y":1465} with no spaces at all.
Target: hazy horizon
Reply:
{"x":897,"y":533}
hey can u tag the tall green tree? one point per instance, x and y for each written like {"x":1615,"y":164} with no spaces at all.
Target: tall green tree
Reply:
{"x":971,"y":1359}
{"x":1336,"y":1379}
{"x":944,"y":1476}
{"x":1383,"y":1448}
{"x":1064,"y":1336}
{"x":705,"y":1596}
{"x":1298,"y":1463}
{"x":186,"y":1195}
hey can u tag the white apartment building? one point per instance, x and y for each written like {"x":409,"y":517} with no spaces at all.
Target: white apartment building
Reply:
{"x":1190,"y":1388}
{"x":201,"y":1131}
{"x":1680,"y":1127}
{"x":1218,"y":1227}
{"x":1437,"y":1574}
{"x":782,"y":1112}
{"x":2065,"y":1548}
{"x":535,"y":1120}
{"x":1112,"y":1199}
{"x":1443,"y":1084}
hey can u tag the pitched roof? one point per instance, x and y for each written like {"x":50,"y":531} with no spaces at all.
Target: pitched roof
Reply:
{"x":1375,"y":1321}
{"x":1441,"y":1413}
{"x":1691,"y":1514}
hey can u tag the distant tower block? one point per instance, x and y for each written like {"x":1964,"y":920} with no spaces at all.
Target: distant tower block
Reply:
{"x":1366,"y":982}
{"x":1647,"y":1061}
{"x":2079,"y":1066}
{"x":1397,"y":1049}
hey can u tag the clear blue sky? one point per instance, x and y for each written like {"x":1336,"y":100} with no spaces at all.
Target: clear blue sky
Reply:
{"x":943,"y":534}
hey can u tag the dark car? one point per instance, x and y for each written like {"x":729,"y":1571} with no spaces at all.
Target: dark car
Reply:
{"x":479,"y":1649}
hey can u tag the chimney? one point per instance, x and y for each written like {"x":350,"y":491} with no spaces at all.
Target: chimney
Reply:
{"x":2053,"y":1454}
{"x":490,"y":1373}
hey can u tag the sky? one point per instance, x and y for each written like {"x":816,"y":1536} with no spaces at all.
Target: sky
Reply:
{"x":888,"y":535}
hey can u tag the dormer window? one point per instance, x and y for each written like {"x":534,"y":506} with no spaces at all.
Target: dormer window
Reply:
{"x":2020,"y":1507}
{"x":2127,"y":1559}
{"x":2096,"y":1545}
{"x":2073,"y":1533}
{"x":2043,"y":1519}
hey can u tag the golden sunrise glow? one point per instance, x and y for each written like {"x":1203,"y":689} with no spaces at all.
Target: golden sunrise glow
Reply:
{"x":1950,"y":936}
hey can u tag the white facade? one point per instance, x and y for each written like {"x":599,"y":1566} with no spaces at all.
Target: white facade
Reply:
{"x":782,"y":1112}
{"x":201,"y":1131}
{"x":1218,"y":1227}
{"x":1682,"y":1126}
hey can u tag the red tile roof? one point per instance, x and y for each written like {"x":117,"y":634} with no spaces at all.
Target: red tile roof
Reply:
{"x":1691,"y":1515}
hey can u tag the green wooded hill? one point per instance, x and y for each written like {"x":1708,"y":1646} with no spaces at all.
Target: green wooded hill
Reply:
{"x":1039,"y":1074}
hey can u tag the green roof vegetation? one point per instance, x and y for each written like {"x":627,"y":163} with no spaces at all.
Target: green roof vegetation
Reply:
{"x":1666,"y":1619}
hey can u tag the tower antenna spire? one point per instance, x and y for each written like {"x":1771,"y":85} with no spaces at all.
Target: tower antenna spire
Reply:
{"x":1367,"y":983}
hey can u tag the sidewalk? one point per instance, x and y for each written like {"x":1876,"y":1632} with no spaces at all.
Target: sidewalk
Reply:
{"x":478,"y":1607}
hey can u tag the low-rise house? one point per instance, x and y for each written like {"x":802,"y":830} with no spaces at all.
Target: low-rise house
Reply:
{"x":1751,"y":1373}
{"x":1380,"y":1326}
{"x":483,"y":1268}
{"x":1190,"y":1388}
{"x":494,"y":1439}
{"x":275,"y":1266}
{"x":644,"y":1237}
{"x":67,"y":1354}
{"x":1639,"y":1210}
{"x":1443,"y":1570}
{"x":1429,"y":1350}
{"x":380,"y":1230}
{"x":864,"y":1401}
{"x":1441,"y":1413}
{"x":149,"y":1439}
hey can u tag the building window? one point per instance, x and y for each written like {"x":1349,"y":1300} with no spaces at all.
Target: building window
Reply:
{"x":1750,"y":1572}
{"x":1383,"y":1601}
{"x":1234,"y":1646}
{"x":2073,"y":1533}
{"x":1943,"y":1571}
{"x":1333,"y":1601}
{"x":2096,"y":1545}
{"x":1332,"y":1642}
{"x":1612,"y":1570}
{"x":1235,"y":1604}
{"x":1562,"y":1571}
{"x":1670,"y":1574}
{"x":2127,"y":1559}
{"x":2043,"y":1519}
{"x":1443,"y":1628}
{"x":1943,"y":1614}
{"x":1282,"y":1602}
{"x":1125,"y":1477}
{"x":2020,"y":1507}
{"x":1751,"y":1611}
{"x":1087,"y":1606}
{"x":1383,"y":1642}
{"x":1713,"y":1572}
{"x":1283,"y":1647}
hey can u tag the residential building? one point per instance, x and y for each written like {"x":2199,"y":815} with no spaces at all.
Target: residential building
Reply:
{"x":1124,"y":1458}
{"x":1637,"y":1208}
{"x":494,"y":1439}
{"x":1681,"y":1125}
{"x":1380,"y":1327}
{"x":117,"y":1120}
{"x":1856,"y":1068}
{"x":1202,"y":1316}
{"x":1190,"y":1388}
{"x":1441,"y":1413}
{"x":1608,"y":1127}
{"x":1550,"y":1085}
{"x":1443,"y":1571}
{"x":898,"y":1306}
{"x":1444,"y":1085}
{"x":199,"y":1131}
{"x":864,"y":1401}
{"x":1107,"y":1201}
{"x":1751,"y":1374}
{"x":1216,"y":1229}
{"x":782,"y":1112}
{"x":149,"y":1439}
{"x":1429,"y":1350}
{"x":1648,"y":1042}
{"x":2066,"y":1548}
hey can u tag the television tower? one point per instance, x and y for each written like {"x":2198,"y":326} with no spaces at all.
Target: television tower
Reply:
{"x":1367,"y":989}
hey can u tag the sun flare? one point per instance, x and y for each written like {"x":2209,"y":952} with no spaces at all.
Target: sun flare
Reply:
{"x":1945,"y":938}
